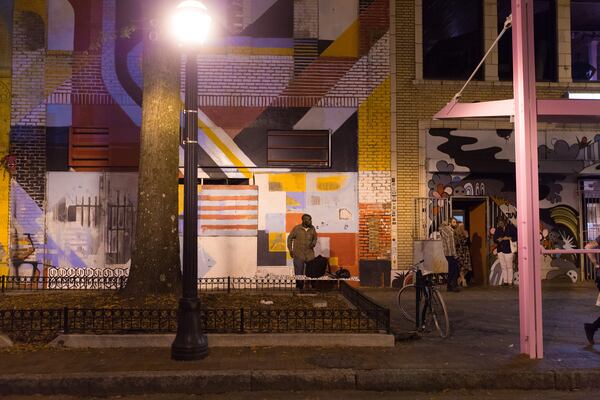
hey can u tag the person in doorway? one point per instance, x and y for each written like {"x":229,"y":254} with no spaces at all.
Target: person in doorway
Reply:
{"x":590,"y":329}
{"x":449,"y":245}
{"x":463,"y":254}
{"x":504,"y":234}
{"x":301,"y":243}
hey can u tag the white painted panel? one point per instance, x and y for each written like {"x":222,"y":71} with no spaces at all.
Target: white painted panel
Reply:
{"x":328,"y":207}
{"x":335,"y":16}
{"x":268,"y":202}
{"x":325,"y":118}
{"x":227,"y":256}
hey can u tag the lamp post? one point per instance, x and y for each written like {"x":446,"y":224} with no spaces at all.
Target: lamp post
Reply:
{"x":190,"y":25}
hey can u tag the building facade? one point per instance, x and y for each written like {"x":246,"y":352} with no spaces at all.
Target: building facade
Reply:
{"x":305,"y":106}
{"x":469,"y":165}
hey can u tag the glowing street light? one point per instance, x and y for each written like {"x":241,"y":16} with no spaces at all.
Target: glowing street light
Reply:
{"x":190,"y":25}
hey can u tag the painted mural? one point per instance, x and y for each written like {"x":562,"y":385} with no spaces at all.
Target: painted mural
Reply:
{"x":269,"y":65}
{"x":467,"y":163}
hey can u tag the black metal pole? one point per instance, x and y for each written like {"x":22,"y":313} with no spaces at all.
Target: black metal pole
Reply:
{"x":190,"y":343}
{"x":418,"y":300}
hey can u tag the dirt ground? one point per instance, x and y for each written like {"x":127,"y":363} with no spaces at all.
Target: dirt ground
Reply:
{"x":112,"y":300}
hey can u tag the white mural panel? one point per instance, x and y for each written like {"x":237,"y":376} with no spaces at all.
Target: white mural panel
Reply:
{"x":90,"y":219}
{"x":227,"y":256}
{"x":332,"y":201}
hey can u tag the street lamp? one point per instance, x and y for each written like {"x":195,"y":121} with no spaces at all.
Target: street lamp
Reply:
{"x":190,"y":25}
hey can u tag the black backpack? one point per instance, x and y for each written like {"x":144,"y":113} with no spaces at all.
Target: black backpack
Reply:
{"x":317,"y":267}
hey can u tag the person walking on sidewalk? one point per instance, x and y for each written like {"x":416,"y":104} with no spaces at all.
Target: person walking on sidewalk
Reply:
{"x":590,"y":329}
{"x":301,"y":243}
{"x":449,"y":245}
{"x":504,"y":234}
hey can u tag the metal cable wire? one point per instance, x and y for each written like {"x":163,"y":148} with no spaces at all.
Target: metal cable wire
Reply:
{"x":507,"y":26}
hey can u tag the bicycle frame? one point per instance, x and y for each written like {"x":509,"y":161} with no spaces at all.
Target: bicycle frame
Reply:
{"x":420,"y":285}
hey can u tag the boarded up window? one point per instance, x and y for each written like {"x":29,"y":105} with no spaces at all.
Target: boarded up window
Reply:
{"x":89,"y":148}
{"x":299,"y":148}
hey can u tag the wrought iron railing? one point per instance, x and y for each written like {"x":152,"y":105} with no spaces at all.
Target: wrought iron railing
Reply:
{"x":33,"y":324}
{"x":107,"y":279}
{"x":372,"y":310}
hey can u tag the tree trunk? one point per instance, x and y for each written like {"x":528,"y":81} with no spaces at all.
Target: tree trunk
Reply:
{"x":155,"y":263}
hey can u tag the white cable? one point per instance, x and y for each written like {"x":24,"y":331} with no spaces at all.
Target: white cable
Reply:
{"x":507,"y":25}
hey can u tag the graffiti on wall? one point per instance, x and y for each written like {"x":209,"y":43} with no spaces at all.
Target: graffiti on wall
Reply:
{"x":90,"y":219}
{"x":332,"y":201}
{"x":481,"y":163}
{"x":271,"y":65}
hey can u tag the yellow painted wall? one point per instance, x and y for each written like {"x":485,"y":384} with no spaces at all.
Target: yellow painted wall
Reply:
{"x":5,"y":101}
{"x":4,"y":176}
{"x":374,"y":130}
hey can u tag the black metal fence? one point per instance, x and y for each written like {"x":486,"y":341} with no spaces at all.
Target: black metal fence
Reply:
{"x":58,"y":279}
{"x":32,"y":325}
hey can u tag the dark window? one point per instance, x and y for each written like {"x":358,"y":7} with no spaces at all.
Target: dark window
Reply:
{"x":299,"y":148}
{"x":452,"y":38}
{"x":585,"y":36}
{"x":544,"y":36}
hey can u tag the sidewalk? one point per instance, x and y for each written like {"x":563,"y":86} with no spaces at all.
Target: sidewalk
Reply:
{"x":482,"y":353}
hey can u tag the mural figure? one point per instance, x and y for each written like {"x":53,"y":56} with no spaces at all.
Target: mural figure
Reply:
{"x":481,"y":163}
{"x":20,"y":255}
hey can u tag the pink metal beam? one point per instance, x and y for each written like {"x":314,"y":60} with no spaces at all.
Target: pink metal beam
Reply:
{"x":498,"y":108}
{"x":526,"y":169}
{"x":557,"y":110}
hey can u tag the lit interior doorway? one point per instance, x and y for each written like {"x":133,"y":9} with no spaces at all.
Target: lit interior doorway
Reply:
{"x":473,"y":212}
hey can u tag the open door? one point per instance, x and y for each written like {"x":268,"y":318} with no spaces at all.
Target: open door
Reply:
{"x":478,"y":235}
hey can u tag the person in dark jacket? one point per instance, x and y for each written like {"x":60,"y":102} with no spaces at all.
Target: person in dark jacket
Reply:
{"x":301,"y":243}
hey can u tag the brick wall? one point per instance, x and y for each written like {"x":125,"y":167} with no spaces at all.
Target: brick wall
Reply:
{"x":58,"y":73}
{"x":28,"y":114}
{"x":374,"y":183}
{"x":366,"y":74}
{"x":417,"y":100}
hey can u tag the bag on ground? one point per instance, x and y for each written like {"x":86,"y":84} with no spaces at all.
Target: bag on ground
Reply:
{"x":317,"y":267}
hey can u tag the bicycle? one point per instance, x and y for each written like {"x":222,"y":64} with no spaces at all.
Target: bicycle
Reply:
{"x":421,"y":303}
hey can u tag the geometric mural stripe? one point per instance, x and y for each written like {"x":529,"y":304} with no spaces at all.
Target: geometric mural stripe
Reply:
{"x":221,"y":145}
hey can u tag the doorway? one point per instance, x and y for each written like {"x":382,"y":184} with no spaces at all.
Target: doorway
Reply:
{"x":473,"y":212}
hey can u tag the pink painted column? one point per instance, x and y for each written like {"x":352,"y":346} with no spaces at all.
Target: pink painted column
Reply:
{"x":526,"y":160}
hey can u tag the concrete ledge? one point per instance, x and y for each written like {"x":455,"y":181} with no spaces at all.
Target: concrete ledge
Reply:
{"x":438,"y":379}
{"x":231,"y":340}
{"x":5,"y":341}
{"x":126,"y":383}
{"x":201,"y":381}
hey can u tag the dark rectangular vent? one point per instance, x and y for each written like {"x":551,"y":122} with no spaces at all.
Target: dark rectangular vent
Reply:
{"x":299,"y":148}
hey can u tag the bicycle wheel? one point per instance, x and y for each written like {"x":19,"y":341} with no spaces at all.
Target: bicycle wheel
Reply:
{"x":438,"y":314}
{"x":407,"y":302}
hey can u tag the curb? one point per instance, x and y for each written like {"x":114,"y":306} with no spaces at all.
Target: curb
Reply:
{"x":229,"y":340}
{"x":198,"y":382}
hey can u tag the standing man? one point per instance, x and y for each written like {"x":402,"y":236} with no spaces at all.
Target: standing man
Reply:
{"x":449,"y":246}
{"x":504,"y":234}
{"x":301,"y":243}
{"x":590,"y":329}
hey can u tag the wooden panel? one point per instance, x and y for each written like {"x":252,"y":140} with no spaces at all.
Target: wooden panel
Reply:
{"x":89,"y":148}
{"x":478,"y":234}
